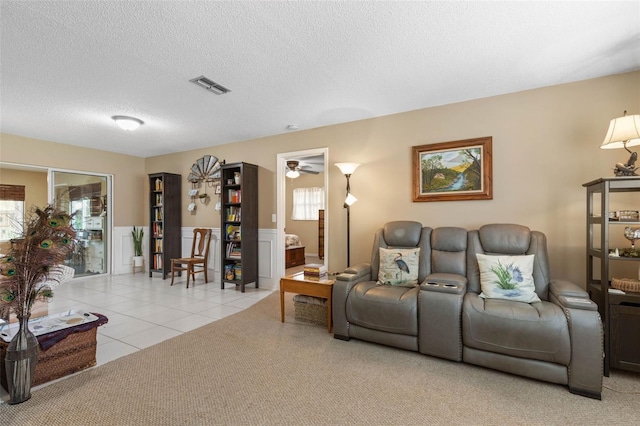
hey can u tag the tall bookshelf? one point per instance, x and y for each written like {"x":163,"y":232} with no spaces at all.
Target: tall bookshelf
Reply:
{"x":165,"y":221}
{"x":620,"y":311}
{"x":239,"y":225}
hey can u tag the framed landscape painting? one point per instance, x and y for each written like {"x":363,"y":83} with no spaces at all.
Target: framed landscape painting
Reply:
{"x":453,"y":171}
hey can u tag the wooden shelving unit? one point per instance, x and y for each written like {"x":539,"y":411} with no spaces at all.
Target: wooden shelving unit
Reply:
{"x":239,"y":229}
{"x":165,"y":222}
{"x":620,"y":312}
{"x":321,"y":234}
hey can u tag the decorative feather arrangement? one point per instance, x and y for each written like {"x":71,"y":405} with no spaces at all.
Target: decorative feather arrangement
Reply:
{"x":35,"y":262}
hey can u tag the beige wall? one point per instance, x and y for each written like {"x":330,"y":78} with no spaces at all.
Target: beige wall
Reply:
{"x":545,"y":146}
{"x":307,"y":230}
{"x":130,"y":197}
{"x":35,"y":185}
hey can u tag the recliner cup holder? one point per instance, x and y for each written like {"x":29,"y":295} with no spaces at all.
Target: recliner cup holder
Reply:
{"x":442,"y":285}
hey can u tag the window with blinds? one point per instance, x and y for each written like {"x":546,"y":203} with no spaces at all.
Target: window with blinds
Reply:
{"x":11,"y":211}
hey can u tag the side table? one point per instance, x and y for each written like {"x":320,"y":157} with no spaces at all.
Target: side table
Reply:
{"x":309,"y":286}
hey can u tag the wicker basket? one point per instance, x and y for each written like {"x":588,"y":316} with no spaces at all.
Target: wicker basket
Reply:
{"x":310,"y":309}
{"x":74,"y":353}
{"x":626,"y":284}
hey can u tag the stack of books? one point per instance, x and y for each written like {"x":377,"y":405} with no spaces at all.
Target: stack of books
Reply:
{"x":234,"y":250}
{"x":314,"y":269}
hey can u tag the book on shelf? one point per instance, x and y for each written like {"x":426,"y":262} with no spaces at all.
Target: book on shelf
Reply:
{"x":235,"y":195}
{"x":314,"y":269}
{"x":233,"y":271}
{"x":158,"y":184}
{"x":158,"y":200}
{"x":228,"y":271}
{"x":157,"y":230}
{"x":157,"y":261}
{"x":234,"y":250}
{"x":233,"y":232}
{"x":237,"y":271}
{"x":234,"y":214}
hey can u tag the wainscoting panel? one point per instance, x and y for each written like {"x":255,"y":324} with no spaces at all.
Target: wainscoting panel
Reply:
{"x":123,"y":253}
{"x":122,"y":250}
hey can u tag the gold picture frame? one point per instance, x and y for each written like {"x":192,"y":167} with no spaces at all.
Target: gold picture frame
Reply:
{"x":453,"y":171}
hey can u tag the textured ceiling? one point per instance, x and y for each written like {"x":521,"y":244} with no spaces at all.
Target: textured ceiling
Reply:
{"x":68,"y":66}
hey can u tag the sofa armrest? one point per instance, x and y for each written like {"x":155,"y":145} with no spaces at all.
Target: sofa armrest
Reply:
{"x":439,"y":312}
{"x":567,"y":289}
{"x":587,"y":351}
{"x":356,"y":273}
{"x":585,"y":328}
{"x":341,"y":289}
{"x":577,"y":303}
{"x":569,"y":295}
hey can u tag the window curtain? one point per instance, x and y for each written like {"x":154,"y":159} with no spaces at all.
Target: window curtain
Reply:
{"x":307,"y":202}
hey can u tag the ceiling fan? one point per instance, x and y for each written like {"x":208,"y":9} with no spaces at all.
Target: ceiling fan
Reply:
{"x":294,"y":169}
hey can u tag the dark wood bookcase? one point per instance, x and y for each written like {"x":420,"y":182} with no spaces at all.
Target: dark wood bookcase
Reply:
{"x":165,"y":221}
{"x":239,"y":225}
{"x":620,"y":312}
{"x":321,"y":234}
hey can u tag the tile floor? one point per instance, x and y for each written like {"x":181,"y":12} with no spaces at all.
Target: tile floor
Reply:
{"x":143,"y":311}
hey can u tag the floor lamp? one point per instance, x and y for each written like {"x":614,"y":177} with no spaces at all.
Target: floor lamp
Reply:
{"x":347,"y":170}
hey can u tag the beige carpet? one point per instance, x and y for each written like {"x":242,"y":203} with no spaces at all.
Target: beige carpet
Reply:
{"x":250,"y":368}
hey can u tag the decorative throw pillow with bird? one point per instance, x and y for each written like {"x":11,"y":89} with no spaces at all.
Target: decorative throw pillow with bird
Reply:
{"x":399,"y":267}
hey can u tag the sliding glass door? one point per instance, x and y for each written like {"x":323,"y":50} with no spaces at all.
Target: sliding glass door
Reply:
{"x":86,"y":196}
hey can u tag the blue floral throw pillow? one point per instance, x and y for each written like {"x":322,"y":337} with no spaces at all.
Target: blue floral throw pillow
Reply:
{"x":399,"y":267}
{"x":507,"y":277}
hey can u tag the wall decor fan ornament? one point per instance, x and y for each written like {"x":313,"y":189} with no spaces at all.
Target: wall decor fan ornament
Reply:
{"x":29,"y":272}
{"x":205,"y":170}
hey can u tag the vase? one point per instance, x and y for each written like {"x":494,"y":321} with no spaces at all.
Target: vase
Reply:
{"x":20,"y":362}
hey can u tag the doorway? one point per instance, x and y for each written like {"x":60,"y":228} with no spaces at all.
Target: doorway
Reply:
{"x":308,"y":162}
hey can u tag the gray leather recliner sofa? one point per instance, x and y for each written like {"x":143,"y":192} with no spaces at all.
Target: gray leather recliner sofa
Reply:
{"x":558,"y":339}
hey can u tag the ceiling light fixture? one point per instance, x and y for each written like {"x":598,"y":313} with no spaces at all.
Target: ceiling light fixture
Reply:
{"x":127,"y":123}
{"x":293,"y":174}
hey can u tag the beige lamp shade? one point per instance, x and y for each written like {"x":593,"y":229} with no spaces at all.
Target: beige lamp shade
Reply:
{"x":623,"y":131}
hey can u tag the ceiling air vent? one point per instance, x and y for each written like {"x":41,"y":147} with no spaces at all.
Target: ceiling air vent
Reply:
{"x":210,"y":85}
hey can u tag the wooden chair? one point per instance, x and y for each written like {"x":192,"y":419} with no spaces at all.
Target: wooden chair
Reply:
{"x":199,"y":257}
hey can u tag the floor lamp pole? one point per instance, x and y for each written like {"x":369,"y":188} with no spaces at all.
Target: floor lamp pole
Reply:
{"x":348,"y":207}
{"x":347,"y":169}
{"x":348,"y":235}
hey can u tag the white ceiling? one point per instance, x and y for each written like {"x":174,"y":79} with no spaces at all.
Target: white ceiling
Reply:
{"x":68,"y":66}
